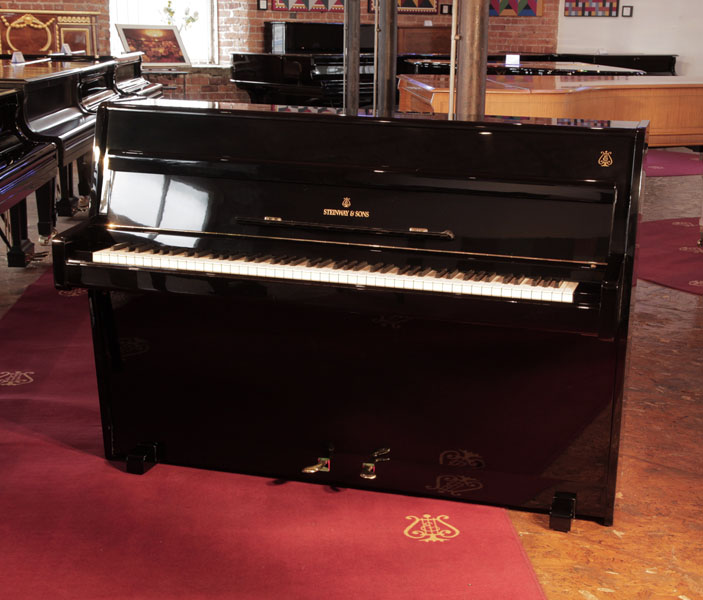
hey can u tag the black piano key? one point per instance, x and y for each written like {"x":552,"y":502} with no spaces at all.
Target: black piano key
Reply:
{"x":350,"y":265}
{"x":362,"y":265}
{"x":424,"y":272}
{"x":387,"y":268}
{"x":298,"y":261}
{"x":453,"y":274}
{"x":441,"y":273}
{"x":325,"y":263}
{"x":414,"y":271}
{"x":377,"y":267}
{"x":469,"y":275}
{"x":315,"y":262}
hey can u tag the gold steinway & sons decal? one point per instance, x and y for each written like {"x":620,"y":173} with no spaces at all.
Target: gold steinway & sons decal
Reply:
{"x":346,"y":211}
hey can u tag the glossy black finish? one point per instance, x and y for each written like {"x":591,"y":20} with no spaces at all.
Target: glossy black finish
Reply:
{"x":26,"y":166}
{"x":482,"y":399}
{"x":304,"y":79}
{"x":441,"y":66}
{"x":61,"y":95}
{"x":129,"y":80}
{"x":647,"y":64}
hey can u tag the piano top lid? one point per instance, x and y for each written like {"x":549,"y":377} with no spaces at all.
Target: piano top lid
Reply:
{"x":172,"y":105}
{"x":28,"y":74}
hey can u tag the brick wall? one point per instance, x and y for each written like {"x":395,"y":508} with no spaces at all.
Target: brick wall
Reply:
{"x":100,"y":6}
{"x":241,"y":26}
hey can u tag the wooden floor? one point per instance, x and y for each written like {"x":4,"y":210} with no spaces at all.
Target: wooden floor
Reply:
{"x":654,"y":551}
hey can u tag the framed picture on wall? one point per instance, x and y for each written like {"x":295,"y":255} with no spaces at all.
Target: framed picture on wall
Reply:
{"x":161,"y":44}
{"x":417,"y":7}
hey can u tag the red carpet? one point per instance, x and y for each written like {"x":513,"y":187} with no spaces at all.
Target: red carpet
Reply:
{"x":668,"y":254}
{"x":73,"y":525}
{"x":663,"y":163}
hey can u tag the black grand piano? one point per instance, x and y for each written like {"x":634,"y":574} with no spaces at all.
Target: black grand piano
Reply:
{"x":26,"y":166}
{"x":409,"y":305}
{"x":61,"y":95}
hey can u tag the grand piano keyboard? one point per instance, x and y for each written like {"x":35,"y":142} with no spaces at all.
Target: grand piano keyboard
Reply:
{"x":340,"y":272}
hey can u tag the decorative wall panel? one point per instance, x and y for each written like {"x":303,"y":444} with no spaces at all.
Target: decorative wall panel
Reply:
{"x":308,"y":5}
{"x":43,"y":31}
{"x":515,"y":8}
{"x":591,"y":8}
{"x":413,"y":6}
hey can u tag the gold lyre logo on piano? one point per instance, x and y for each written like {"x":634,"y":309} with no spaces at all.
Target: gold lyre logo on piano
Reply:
{"x":13,"y":378}
{"x":346,"y":203}
{"x":430,"y":529}
{"x":606,"y":158}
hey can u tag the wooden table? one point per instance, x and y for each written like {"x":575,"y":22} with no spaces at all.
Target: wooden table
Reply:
{"x":672,"y":105}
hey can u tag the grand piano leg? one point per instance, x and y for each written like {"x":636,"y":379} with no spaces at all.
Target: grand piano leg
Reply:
{"x":46,"y":211}
{"x":67,"y":204}
{"x":21,"y":250}
{"x":84,"y":165}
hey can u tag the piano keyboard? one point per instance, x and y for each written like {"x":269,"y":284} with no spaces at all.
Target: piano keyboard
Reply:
{"x":341,"y":272}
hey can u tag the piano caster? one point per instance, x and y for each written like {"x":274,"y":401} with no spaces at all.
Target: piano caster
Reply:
{"x":45,"y":240}
{"x":142,"y":458}
{"x":368,"y":469}
{"x":83,"y":203}
{"x":562,"y":512}
{"x":67,"y":207}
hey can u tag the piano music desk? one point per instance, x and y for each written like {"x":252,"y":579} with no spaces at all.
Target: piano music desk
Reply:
{"x":672,"y":105}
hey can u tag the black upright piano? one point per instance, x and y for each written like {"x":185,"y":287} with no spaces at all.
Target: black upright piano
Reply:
{"x":303,"y":64}
{"x":26,"y":166}
{"x":409,"y":305}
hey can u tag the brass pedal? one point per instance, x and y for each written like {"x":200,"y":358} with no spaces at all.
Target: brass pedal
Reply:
{"x":322,"y":466}
{"x":368,"y":469}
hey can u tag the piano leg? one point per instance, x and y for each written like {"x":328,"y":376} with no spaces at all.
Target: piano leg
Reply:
{"x":67,"y":203}
{"x":21,"y":250}
{"x":84,"y":165}
{"x":46,"y":210}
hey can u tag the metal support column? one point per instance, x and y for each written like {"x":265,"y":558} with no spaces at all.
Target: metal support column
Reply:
{"x":352,"y":34}
{"x":386,"y":51}
{"x":472,"y":29}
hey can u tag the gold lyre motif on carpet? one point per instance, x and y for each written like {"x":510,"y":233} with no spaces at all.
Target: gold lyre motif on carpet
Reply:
{"x":73,"y":293}
{"x":455,"y":485}
{"x":606,"y":158}
{"x":430,"y":529}
{"x":12,"y":378}
{"x":462,"y":458}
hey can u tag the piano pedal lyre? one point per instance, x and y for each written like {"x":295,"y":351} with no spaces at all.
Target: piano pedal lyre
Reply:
{"x":368,"y":469}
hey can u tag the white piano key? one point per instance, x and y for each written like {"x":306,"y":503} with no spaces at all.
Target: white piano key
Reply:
{"x":355,"y":274}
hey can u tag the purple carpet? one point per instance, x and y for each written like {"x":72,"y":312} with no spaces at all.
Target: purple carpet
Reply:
{"x":665,"y":163}
{"x":75,"y":526}
{"x":668,"y":254}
